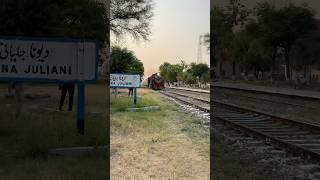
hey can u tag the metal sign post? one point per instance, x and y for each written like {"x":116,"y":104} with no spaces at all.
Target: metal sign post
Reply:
{"x":81,"y":107}
{"x":135,"y":95}
{"x":81,"y":89}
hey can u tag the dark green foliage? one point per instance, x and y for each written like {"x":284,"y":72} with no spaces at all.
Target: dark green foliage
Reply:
{"x":171,"y":72}
{"x":54,"y":18}
{"x":201,"y":71}
{"x":305,"y":52}
{"x":224,"y":21}
{"x":187,"y":74}
{"x":257,"y":44}
{"x":221,"y":30}
{"x":124,"y":61}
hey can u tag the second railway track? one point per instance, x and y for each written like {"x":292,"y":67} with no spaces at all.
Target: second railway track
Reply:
{"x":293,"y":136}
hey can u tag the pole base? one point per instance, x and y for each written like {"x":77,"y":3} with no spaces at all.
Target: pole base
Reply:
{"x":80,"y":126}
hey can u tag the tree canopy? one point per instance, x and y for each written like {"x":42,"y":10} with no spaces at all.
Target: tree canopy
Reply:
{"x":170,"y":72}
{"x":54,"y":18}
{"x":124,"y":61}
{"x":131,"y":16}
{"x":272,"y":36}
{"x":187,"y":74}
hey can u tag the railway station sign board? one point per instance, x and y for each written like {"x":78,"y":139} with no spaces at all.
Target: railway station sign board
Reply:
{"x":49,"y":60}
{"x":125,"y":80}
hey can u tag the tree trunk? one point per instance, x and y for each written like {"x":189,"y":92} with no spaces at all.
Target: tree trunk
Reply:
{"x":18,"y":98}
{"x":305,"y":71}
{"x":221,"y":70}
{"x":233,"y":70}
{"x":213,"y":61}
{"x":273,"y":63}
{"x":287,"y":61}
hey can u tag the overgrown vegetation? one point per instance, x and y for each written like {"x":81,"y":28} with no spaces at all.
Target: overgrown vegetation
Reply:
{"x":185,"y":74}
{"x":131,"y":121}
{"x":265,"y":39}
{"x":124,"y":61}
{"x":51,"y":18}
{"x":25,"y":141}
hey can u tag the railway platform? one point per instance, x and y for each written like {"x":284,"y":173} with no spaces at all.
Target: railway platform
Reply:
{"x":267,"y":89}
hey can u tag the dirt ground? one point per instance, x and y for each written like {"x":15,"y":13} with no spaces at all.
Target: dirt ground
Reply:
{"x":169,"y":146}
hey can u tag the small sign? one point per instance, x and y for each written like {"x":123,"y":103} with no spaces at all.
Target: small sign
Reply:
{"x":125,"y":80}
{"x":31,"y":59}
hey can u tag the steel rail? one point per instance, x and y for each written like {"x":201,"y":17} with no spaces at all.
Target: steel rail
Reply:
{"x":277,"y":137}
{"x":293,"y":136}
{"x":265,"y":92}
{"x":187,"y":102}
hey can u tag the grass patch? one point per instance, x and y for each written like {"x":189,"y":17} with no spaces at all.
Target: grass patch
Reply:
{"x":153,"y":144}
{"x":26,"y":140}
{"x":88,"y":168}
{"x":145,"y":98}
{"x":34,"y":133}
{"x":137,"y":122}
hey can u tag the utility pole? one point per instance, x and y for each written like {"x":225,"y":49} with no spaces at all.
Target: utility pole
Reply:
{"x":199,"y":59}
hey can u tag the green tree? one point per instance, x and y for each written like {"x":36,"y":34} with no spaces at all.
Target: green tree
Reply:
{"x":128,"y":17}
{"x":124,"y":61}
{"x":54,"y":18}
{"x":305,"y":53}
{"x":164,"y":70}
{"x":220,"y":35}
{"x":280,"y":28}
{"x":297,"y":22}
{"x":238,"y":16}
{"x":266,"y":29}
{"x":200,"y":71}
{"x":240,"y":46}
{"x":256,"y":58}
{"x":171,"y":72}
{"x":175,"y":72}
{"x":188,"y":77}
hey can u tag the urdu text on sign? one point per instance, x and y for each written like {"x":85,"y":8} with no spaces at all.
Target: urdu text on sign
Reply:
{"x":33,"y":59}
{"x":125,"y":80}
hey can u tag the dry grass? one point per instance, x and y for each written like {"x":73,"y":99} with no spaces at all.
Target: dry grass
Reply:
{"x":156,"y":145}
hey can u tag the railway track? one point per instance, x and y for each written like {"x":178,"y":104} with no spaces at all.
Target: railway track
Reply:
{"x":298,"y":138}
{"x":279,"y":94}
{"x":276,"y":99}
{"x":201,"y":104}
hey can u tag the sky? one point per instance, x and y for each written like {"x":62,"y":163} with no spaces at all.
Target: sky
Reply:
{"x":176,"y":27}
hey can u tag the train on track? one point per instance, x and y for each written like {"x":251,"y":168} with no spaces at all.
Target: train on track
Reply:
{"x":156,"y":82}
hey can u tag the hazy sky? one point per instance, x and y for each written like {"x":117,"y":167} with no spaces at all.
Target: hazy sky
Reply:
{"x":176,"y":27}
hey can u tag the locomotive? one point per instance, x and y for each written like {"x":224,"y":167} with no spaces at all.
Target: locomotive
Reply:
{"x":156,"y":82}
